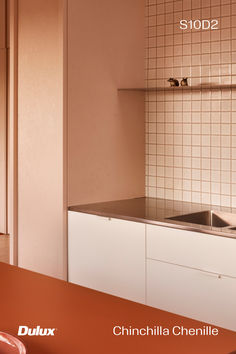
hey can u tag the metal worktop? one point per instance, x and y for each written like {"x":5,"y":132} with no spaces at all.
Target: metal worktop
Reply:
{"x":156,"y":211}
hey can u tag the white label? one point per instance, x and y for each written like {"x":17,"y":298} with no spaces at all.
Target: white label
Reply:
{"x":37,"y":331}
{"x":199,"y":24}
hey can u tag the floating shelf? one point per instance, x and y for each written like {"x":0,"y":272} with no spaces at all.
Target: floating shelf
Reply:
{"x":180,"y":88}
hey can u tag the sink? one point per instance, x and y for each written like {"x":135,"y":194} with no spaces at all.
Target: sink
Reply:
{"x":208,"y":218}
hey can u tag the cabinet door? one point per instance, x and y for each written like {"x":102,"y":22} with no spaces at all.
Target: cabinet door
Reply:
{"x":107,"y":255}
{"x":192,"y":249}
{"x":188,"y":292}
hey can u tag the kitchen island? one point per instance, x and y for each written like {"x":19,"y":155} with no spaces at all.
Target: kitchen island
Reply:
{"x":84,"y":320}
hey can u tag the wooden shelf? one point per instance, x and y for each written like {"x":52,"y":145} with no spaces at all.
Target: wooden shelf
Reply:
{"x":181,"y":88}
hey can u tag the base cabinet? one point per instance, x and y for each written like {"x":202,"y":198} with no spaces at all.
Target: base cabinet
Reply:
{"x":193,"y":293}
{"x":214,"y":254}
{"x":179,"y":271}
{"x":107,"y":255}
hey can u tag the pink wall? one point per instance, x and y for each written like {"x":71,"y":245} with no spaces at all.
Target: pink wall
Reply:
{"x":106,"y":129}
{"x":3,"y":226}
{"x":41,"y":236}
{"x":12,"y":133}
{"x":2,"y":23}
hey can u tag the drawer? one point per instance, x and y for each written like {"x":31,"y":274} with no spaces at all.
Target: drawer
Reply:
{"x":193,"y":293}
{"x":192,"y":249}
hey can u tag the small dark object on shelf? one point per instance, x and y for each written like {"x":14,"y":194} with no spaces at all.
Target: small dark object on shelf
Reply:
{"x":173,"y":82}
{"x":184,"y":81}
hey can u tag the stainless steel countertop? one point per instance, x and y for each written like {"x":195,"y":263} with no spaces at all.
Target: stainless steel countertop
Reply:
{"x":155,"y":211}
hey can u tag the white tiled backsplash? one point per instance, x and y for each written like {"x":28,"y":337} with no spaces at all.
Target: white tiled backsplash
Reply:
{"x":191,"y":134}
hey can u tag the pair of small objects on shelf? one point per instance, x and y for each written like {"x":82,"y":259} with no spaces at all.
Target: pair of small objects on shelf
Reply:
{"x":174,"y":82}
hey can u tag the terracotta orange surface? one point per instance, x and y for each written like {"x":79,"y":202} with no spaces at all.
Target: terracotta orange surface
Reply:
{"x":84,"y":320}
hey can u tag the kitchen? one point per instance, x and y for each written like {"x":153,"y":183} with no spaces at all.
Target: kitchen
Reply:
{"x":146,"y":169}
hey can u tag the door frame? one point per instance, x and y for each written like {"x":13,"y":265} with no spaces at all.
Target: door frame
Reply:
{"x":12,"y":128}
{"x":3,"y":119}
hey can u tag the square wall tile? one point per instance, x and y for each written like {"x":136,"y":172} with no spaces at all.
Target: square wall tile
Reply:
{"x":191,"y":135}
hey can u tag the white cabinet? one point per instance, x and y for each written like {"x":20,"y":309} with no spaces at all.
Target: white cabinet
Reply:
{"x":192,"y":274}
{"x":107,"y":255}
{"x":184,"y":272}
{"x":192,"y":293}
{"x":192,"y":249}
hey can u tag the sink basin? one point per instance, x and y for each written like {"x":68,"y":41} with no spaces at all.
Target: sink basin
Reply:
{"x":208,"y":218}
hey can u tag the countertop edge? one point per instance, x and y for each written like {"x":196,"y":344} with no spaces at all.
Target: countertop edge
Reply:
{"x":161,"y":222}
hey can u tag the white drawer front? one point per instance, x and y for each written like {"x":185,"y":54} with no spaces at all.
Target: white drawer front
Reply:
{"x":192,"y":293}
{"x":107,"y":255}
{"x":193,"y":249}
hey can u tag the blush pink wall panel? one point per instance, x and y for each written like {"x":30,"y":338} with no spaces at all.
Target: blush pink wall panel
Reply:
{"x":106,"y":128}
{"x":40,"y":134}
{"x":3,"y":185}
{"x":2,"y":23}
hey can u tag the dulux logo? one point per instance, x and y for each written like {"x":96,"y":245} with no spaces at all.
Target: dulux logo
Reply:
{"x":38,"y":331}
